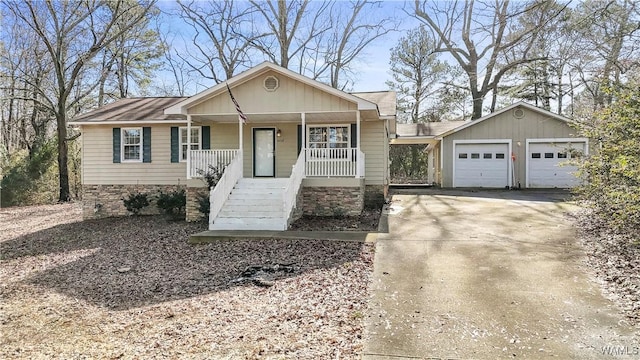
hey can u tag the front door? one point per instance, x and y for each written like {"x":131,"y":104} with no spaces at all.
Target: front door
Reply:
{"x":264,"y":159}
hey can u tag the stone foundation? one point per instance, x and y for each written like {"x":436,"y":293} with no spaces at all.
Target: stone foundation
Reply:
{"x":107,"y":200}
{"x":99,"y":201}
{"x":193,"y":204}
{"x":333,"y":200}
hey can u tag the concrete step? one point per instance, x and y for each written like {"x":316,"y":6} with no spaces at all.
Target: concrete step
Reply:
{"x":257,"y":196}
{"x":248,"y":224}
{"x":261,"y":184}
{"x":263,"y":180}
{"x":254,"y":204}
{"x":275,"y":202}
{"x":228,"y":213}
{"x":251,"y":206}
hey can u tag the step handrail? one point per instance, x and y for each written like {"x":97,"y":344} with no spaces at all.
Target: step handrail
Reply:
{"x":292,"y":187}
{"x":220,"y":193}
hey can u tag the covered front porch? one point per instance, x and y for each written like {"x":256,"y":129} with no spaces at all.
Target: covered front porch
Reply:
{"x":289,"y":128}
{"x":327,"y":143}
{"x":262,"y":149}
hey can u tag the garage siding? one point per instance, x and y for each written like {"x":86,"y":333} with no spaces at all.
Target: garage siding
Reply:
{"x":505,"y":126}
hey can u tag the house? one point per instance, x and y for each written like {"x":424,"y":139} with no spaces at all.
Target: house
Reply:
{"x":518,"y":146}
{"x":305,"y":148}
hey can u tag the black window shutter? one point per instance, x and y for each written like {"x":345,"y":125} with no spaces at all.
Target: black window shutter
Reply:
{"x":175,"y":145}
{"x":299,"y":138}
{"x":206,"y":137}
{"x":146,"y":144}
{"x":354,"y":136}
{"x":116,"y":145}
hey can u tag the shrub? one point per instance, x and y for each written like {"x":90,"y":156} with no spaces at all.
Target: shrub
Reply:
{"x":136,"y":202}
{"x":212,"y":175}
{"x":612,"y":172}
{"x":173,"y":203}
{"x":30,"y":178}
{"x":203,"y":205}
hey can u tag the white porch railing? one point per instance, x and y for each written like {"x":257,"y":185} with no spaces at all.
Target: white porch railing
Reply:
{"x":201,"y":159}
{"x":343,"y":162}
{"x":221,"y":191}
{"x":292,"y":188}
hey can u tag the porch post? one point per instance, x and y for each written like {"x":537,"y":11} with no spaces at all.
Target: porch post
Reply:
{"x":240,"y":146}
{"x":358,"y":129}
{"x":188,"y":146}
{"x":303,"y":141}
{"x":430,"y":165}
{"x":358,"y":160}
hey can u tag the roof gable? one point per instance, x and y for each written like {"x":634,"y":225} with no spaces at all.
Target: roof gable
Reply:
{"x":264,"y":68}
{"x":504,"y":110}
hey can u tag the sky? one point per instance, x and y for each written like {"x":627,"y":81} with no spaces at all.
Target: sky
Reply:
{"x":373,"y":66}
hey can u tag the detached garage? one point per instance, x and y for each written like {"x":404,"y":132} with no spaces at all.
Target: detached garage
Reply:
{"x":518,"y":146}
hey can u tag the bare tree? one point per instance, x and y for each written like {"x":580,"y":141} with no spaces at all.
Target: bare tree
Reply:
{"x":73,"y":33}
{"x":24,"y":73}
{"x":477,"y":34}
{"x":355,"y":27}
{"x":290,"y":27}
{"x":222,"y":37}
{"x":609,"y":31}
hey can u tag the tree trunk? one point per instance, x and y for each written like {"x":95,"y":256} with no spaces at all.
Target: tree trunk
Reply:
{"x":477,"y":105}
{"x":63,"y":154}
{"x":560,"y":94}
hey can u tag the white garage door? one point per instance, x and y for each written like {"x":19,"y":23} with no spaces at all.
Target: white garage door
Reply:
{"x":548,"y":166}
{"x":481,"y":165}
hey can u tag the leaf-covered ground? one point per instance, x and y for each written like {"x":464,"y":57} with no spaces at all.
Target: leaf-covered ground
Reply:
{"x":614,"y":259}
{"x":133,"y":288}
{"x":367,"y":221}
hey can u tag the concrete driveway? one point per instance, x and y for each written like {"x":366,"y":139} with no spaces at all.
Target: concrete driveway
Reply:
{"x":487,"y":275}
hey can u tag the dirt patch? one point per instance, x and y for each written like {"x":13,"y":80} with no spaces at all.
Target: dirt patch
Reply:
{"x":367,"y":221}
{"x":614,"y":259}
{"x":133,"y":288}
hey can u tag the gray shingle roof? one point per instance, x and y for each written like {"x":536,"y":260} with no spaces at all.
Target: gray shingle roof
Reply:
{"x":426,"y":129}
{"x":133,"y":109}
{"x":386,"y":101}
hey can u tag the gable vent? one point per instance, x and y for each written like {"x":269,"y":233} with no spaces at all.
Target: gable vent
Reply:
{"x":518,"y":113}
{"x":271,"y":83}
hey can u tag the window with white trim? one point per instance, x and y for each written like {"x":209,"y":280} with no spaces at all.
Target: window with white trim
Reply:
{"x":196,"y":143}
{"x":329,"y":141}
{"x":131,"y":144}
{"x":328,"y":137}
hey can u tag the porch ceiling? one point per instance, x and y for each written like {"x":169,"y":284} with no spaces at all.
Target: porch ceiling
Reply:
{"x":324,"y":116}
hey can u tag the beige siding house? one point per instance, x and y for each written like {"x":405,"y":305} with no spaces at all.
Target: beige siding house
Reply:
{"x":304,"y":148}
{"x":520,"y":146}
